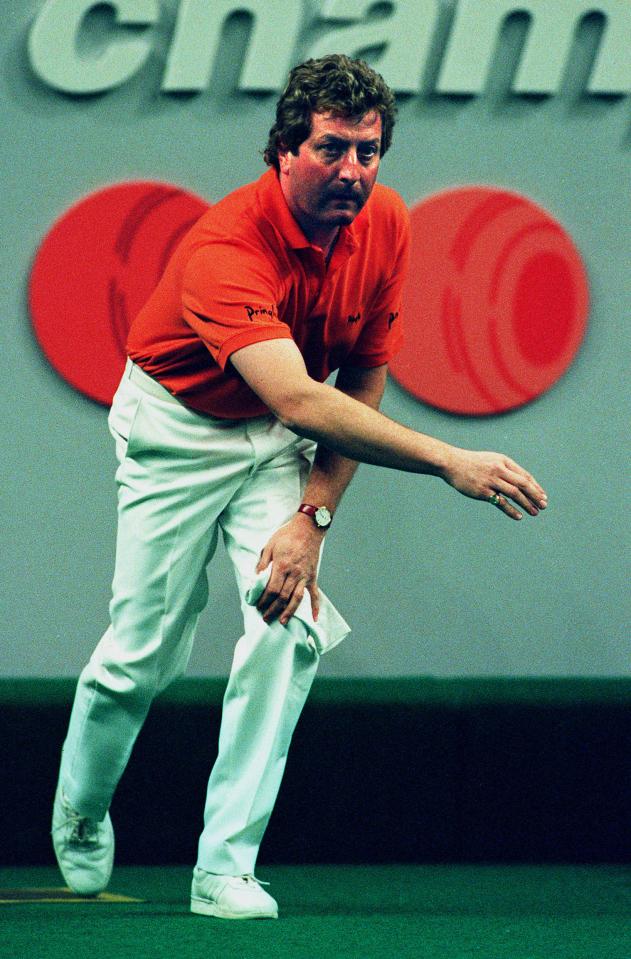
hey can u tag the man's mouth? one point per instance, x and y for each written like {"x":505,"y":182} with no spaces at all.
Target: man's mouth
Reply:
{"x":345,"y":198}
{"x":346,"y":202}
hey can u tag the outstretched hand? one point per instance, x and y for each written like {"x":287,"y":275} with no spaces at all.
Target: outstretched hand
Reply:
{"x":497,"y":479}
{"x":294,"y":552}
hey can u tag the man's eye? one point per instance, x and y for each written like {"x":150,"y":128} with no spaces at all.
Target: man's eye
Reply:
{"x":331,"y":151}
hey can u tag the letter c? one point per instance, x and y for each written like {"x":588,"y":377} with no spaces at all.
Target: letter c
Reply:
{"x":52,"y":45}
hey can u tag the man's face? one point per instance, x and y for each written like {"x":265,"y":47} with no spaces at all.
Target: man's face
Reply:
{"x":330,"y":178}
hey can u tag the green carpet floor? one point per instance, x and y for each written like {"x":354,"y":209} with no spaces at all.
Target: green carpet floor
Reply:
{"x":390,"y":912}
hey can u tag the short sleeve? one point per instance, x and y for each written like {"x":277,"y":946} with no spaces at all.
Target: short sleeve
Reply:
{"x":230,"y":296}
{"x":382,"y":334}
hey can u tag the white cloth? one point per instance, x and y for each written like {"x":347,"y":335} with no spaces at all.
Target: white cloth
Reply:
{"x":329,"y":630}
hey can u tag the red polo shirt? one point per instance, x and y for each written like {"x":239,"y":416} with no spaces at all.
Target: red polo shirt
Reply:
{"x":245,"y":272}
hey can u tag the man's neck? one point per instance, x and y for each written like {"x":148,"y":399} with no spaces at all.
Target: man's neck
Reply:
{"x":324,"y":237}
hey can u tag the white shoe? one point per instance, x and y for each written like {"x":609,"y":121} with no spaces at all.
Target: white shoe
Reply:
{"x":230,"y":897}
{"x":84,"y":847}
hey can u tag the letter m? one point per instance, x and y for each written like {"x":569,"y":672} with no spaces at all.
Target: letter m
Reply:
{"x":553,"y":25}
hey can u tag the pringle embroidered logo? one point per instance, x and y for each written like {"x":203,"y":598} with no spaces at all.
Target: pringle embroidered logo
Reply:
{"x":271,"y":311}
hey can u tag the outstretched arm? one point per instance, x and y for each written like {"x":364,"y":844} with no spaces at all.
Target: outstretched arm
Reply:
{"x":275,"y":371}
{"x":352,"y":430}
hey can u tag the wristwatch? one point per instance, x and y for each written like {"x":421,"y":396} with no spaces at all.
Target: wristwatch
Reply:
{"x":321,"y":515}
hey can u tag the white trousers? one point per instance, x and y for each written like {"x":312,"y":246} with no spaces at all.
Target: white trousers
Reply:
{"x":181,"y":477}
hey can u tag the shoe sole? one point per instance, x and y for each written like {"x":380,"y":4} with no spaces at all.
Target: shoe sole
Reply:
{"x":203,"y":907}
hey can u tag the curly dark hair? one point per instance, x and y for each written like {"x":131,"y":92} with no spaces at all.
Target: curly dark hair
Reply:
{"x":332,"y":84}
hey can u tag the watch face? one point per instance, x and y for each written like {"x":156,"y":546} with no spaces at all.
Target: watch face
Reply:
{"x":322,"y":516}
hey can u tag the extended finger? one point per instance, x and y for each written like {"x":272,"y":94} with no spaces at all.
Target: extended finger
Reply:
{"x":294,"y":602}
{"x":283,"y":600}
{"x":273,"y":608}
{"x":515,"y":493}
{"x":520,"y":477}
{"x":314,"y":592}
{"x":271,"y":592}
{"x":264,"y":559}
{"x":285,"y":604}
{"x":496,"y":499}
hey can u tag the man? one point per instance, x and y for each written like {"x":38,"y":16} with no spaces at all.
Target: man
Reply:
{"x":223,"y":421}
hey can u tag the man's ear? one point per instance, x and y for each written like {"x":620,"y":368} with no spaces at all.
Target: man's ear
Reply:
{"x":284,"y":162}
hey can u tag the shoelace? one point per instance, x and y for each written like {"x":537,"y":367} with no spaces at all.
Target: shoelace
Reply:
{"x":250,"y":878}
{"x":84,"y":831}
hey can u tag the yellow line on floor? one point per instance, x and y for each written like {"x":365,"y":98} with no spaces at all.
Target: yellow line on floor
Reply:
{"x":9,"y":896}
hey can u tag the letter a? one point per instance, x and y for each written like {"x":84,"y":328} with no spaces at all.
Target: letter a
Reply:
{"x":407,"y":34}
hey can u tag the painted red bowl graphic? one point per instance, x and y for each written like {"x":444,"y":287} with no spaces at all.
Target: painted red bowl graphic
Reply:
{"x":496,"y":302}
{"x":95,"y":269}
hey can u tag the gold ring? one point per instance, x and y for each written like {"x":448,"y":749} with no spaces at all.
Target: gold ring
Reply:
{"x":494,"y":499}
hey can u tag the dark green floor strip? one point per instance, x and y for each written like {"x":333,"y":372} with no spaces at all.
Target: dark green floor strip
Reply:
{"x":382,"y":912}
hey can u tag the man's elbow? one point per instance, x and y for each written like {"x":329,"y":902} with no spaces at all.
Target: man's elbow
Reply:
{"x":291,"y":415}
{"x":295,"y":409}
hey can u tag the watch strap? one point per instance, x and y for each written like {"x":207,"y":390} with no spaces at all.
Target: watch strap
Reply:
{"x":310,"y":510}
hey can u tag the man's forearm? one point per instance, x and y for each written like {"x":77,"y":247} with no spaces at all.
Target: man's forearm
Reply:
{"x":329,"y":477}
{"x":276,"y":372}
{"x":356,"y":431}
{"x":332,"y":472}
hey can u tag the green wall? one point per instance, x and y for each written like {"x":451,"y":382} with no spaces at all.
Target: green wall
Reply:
{"x":431,"y":583}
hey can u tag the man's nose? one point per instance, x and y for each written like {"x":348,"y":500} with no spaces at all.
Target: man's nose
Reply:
{"x":349,"y":168}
